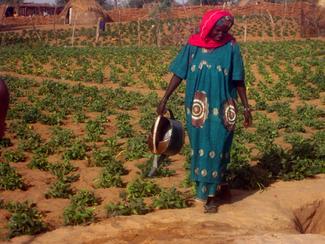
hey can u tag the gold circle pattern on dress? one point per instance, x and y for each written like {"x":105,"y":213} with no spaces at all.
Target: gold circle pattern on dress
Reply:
{"x":204,"y":172}
{"x":198,"y":109}
{"x":212,"y":154}
{"x":214,"y":174}
{"x":230,"y":114}
{"x":201,"y":152}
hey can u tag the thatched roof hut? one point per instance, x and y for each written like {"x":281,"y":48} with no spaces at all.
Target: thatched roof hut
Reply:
{"x":82,"y":12}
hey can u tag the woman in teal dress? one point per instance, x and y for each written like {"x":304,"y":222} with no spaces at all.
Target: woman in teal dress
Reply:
{"x":212,"y":66}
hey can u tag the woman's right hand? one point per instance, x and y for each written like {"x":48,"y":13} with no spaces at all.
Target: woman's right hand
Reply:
{"x":161,"y":108}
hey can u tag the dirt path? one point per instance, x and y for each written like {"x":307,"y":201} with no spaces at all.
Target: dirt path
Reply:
{"x":274,"y":215}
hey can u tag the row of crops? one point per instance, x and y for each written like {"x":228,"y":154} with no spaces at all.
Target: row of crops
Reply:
{"x":154,"y":32}
{"x":80,"y":110}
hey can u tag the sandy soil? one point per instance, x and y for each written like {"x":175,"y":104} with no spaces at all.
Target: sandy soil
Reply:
{"x":275,"y":215}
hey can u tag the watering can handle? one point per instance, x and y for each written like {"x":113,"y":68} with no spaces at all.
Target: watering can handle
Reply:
{"x":171,"y":114}
{"x":154,"y":134}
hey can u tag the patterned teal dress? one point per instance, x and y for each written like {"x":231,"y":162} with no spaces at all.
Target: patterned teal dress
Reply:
{"x":210,"y":76}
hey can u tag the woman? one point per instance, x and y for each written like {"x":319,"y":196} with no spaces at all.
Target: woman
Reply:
{"x":212,"y":66}
{"x":4,"y":103}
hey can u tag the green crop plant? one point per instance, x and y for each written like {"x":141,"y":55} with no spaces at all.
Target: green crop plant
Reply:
{"x":126,"y":100}
{"x":59,"y":189}
{"x":25,"y":219}
{"x":107,"y":179}
{"x":61,"y":137}
{"x":31,"y":115}
{"x":98,"y":104}
{"x":55,"y":118}
{"x":79,"y":211}
{"x":305,"y":159}
{"x":309,"y":115}
{"x":39,"y":161}
{"x":14,"y":156}
{"x":136,"y":147}
{"x":62,"y":169}
{"x":125,"y":129}
{"x":113,"y":145}
{"x":94,"y":129}
{"x":291,"y":138}
{"x":31,"y":142}
{"x":282,"y":109}
{"x":78,"y":214}
{"x":151,"y":99}
{"x":102,"y":158}
{"x":84,"y":198}
{"x":62,"y":187}
{"x":107,"y":159}
{"x":147,"y":117}
{"x":45,"y":149}
{"x":141,"y":188}
{"x":266,"y":131}
{"x":308,"y":92}
{"x":169,"y":198}
{"x":318,"y":78}
{"x":290,"y":125}
{"x":127,"y":207}
{"x":79,"y":117}
{"x":112,"y":171}
{"x":77,"y":151}
{"x":9,"y":178}
{"x":5,"y":142}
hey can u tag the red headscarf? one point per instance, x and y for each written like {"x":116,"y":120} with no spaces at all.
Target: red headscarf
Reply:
{"x":209,"y":19}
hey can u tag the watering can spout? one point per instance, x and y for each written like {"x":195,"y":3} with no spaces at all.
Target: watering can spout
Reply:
{"x":157,"y":159}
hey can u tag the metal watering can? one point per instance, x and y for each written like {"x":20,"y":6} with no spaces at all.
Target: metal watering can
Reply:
{"x":165,"y":139}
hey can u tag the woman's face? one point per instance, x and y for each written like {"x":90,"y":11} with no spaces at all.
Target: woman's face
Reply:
{"x":218,"y":32}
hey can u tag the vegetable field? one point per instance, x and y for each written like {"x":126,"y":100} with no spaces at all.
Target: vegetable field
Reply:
{"x":156,"y":32}
{"x":75,"y":149}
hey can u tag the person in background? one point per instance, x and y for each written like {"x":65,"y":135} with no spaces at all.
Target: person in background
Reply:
{"x":212,"y":65}
{"x":4,"y":105}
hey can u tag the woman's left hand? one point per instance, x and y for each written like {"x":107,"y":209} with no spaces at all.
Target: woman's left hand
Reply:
{"x":248,"y":119}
